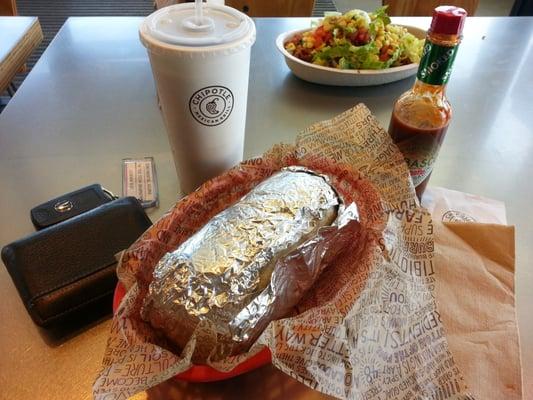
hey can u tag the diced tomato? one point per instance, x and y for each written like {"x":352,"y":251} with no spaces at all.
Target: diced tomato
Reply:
{"x":384,"y":55}
{"x":359,"y":37}
{"x":296,"y":39}
{"x":303,"y":54}
{"x":322,"y":36}
{"x":320,"y":31}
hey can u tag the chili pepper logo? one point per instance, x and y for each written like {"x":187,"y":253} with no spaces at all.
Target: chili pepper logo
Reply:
{"x":211,"y":107}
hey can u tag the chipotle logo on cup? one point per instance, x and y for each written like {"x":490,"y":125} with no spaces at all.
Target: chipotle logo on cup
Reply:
{"x":211,"y":105}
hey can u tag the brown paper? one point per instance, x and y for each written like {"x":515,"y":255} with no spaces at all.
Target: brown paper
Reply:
{"x":368,"y":329}
{"x":475,"y":291}
{"x":452,"y":206}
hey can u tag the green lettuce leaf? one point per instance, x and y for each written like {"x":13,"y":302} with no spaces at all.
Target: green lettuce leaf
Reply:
{"x":381,"y":14}
{"x":355,"y":57}
{"x":411,"y":47}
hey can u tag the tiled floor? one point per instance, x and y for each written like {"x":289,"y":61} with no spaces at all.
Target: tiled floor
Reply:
{"x":486,"y":7}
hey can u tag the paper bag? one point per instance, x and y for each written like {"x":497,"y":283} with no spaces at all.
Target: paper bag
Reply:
{"x":475,"y":290}
{"x":446,"y":205}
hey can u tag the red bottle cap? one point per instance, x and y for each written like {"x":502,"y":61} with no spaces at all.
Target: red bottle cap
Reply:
{"x":448,"y":20}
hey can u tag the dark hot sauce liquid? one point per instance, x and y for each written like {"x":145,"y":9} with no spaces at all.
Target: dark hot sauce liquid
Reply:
{"x":419,"y":147}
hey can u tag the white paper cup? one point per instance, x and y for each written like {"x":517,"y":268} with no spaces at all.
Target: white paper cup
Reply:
{"x":202,"y":82}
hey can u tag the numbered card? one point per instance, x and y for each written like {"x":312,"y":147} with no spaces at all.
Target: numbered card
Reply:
{"x":139,"y":180}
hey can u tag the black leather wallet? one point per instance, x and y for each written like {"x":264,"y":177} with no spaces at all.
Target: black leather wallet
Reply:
{"x":68,"y":268}
{"x":69,"y":205}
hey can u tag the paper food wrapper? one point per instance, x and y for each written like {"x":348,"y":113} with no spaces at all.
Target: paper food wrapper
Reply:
{"x":368,"y":329}
{"x":474,"y":255}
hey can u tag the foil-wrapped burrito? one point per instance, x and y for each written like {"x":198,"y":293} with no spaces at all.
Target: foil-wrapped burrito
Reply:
{"x":248,"y":265}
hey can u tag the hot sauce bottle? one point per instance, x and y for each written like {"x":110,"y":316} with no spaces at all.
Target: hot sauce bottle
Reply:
{"x":421,"y":116}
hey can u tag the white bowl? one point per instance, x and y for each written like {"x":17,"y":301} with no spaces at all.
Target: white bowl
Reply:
{"x":345,"y":77}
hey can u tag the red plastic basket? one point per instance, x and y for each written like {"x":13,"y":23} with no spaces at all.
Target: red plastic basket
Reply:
{"x":205,"y":373}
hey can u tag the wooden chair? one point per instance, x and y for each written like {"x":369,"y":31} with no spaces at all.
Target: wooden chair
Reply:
{"x":426,"y":7}
{"x":15,"y":61}
{"x":8,"y":8}
{"x":262,"y":8}
{"x":274,"y":8}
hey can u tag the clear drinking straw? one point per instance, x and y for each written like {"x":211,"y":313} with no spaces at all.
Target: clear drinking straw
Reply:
{"x":199,"y":12}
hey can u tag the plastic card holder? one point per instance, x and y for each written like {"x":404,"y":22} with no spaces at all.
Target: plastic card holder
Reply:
{"x":139,"y":180}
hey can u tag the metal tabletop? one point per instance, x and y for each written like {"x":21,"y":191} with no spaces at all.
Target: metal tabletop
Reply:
{"x":90,"y":101}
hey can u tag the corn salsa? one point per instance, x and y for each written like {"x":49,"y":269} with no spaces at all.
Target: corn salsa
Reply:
{"x":356,"y":40}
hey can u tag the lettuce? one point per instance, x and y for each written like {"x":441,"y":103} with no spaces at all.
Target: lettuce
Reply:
{"x":380,"y":14}
{"x":348,"y":56}
{"x":411,"y":47}
{"x":340,"y":52}
{"x":358,"y":14}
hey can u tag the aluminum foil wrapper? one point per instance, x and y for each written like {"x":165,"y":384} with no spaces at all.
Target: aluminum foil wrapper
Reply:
{"x":231,"y":273}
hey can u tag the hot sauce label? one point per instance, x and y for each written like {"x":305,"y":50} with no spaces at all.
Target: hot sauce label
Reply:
{"x":436,"y":63}
{"x":420,"y":155}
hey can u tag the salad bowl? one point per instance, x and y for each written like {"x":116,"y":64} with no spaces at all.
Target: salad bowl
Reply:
{"x":345,"y":77}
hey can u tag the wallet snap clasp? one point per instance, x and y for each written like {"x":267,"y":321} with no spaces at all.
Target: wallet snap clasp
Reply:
{"x":63,"y":206}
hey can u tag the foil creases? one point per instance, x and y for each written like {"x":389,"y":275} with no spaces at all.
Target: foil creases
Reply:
{"x":223,"y":272}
